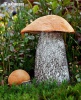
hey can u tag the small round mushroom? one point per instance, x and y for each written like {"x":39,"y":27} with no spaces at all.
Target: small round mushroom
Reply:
{"x":51,"y":61}
{"x":18,"y":77}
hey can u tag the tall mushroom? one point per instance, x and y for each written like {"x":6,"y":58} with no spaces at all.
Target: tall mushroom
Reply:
{"x":51,"y":61}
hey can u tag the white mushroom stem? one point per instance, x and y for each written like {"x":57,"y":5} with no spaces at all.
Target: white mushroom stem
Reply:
{"x":51,"y":61}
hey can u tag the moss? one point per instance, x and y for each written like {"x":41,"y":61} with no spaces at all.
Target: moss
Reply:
{"x":42,"y":91}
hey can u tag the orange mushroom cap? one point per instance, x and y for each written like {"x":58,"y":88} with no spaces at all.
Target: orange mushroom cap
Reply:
{"x":18,"y":76}
{"x":49,"y":23}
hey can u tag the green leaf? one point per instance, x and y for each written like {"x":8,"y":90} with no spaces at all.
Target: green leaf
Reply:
{"x":54,"y":4}
{"x":37,"y":3}
{"x":10,"y":24}
{"x":22,"y":45}
{"x":0,"y":59}
{"x":2,"y":29}
{"x":15,"y":43}
{"x":78,"y":79}
{"x":35,"y":9}
{"x":26,"y":39}
{"x":68,"y":16}
{"x":31,"y":37}
{"x":66,"y":2}
{"x":11,"y":48}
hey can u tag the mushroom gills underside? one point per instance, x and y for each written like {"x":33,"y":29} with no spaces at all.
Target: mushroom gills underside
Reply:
{"x":51,"y":61}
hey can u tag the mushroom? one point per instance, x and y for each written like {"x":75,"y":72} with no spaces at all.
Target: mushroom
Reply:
{"x":18,"y":77}
{"x":51,"y":62}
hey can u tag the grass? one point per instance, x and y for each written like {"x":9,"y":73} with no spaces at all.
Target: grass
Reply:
{"x":41,"y":91}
